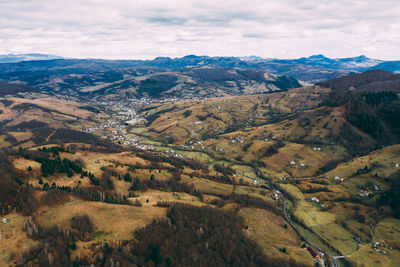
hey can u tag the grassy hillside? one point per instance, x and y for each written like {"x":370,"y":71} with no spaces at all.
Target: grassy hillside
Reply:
{"x":257,"y":180}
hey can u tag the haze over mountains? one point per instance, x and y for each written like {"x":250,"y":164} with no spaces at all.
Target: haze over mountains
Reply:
{"x":12,"y":58}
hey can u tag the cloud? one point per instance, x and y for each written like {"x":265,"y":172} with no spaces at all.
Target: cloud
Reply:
{"x":150,"y":28}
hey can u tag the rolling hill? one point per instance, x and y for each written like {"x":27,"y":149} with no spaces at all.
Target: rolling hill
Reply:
{"x":95,"y":78}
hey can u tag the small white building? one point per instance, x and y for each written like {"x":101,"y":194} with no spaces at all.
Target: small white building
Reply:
{"x":315,"y":199}
{"x":292,"y":162}
{"x":337,"y":178}
{"x":4,"y":220}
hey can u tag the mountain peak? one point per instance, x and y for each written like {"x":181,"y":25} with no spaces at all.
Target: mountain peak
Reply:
{"x":319,"y":56}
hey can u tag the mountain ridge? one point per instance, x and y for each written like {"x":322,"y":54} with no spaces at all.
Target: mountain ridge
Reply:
{"x":313,"y":69}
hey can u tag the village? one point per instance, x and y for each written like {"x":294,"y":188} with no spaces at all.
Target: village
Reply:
{"x":120,"y":115}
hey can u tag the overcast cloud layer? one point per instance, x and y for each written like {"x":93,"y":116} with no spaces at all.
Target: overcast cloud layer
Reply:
{"x":151,"y":28}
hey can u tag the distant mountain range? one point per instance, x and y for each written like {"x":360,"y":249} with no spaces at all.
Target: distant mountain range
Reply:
{"x":13,"y":58}
{"x":97,"y":78}
{"x":311,"y":69}
{"x":179,"y":77}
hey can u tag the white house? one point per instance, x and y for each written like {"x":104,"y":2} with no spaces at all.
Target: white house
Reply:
{"x":4,"y":220}
{"x":292,"y":162}
{"x":337,"y":178}
{"x":315,"y":199}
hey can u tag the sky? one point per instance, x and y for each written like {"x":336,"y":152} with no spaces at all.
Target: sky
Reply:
{"x":145,"y":29}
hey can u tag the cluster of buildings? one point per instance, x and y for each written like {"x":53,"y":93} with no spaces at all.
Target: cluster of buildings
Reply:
{"x":122,"y":114}
{"x":236,"y":140}
{"x":172,"y":153}
{"x":194,"y":145}
{"x":377,"y":248}
{"x":293,"y":163}
{"x":366,"y":193}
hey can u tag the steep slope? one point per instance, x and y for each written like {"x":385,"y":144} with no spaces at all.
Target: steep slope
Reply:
{"x":372,"y":80}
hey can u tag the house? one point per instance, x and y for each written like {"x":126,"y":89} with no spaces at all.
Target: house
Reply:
{"x":315,"y":199}
{"x":4,"y":220}
{"x":364,"y":193}
{"x":337,"y":178}
{"x":292,"y":162}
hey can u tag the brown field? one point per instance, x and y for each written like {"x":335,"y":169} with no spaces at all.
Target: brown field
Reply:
{"x":14,"y":240}
{"x":150,"y":198}
{"x":110,"y":220}
{"x":268,"y":230}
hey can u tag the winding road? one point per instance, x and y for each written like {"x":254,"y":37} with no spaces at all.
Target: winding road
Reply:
{"x":324,"y":259}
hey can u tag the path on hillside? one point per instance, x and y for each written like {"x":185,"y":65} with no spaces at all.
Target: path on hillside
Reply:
{"x":324,"y":259}
{"x":263,"y":181}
